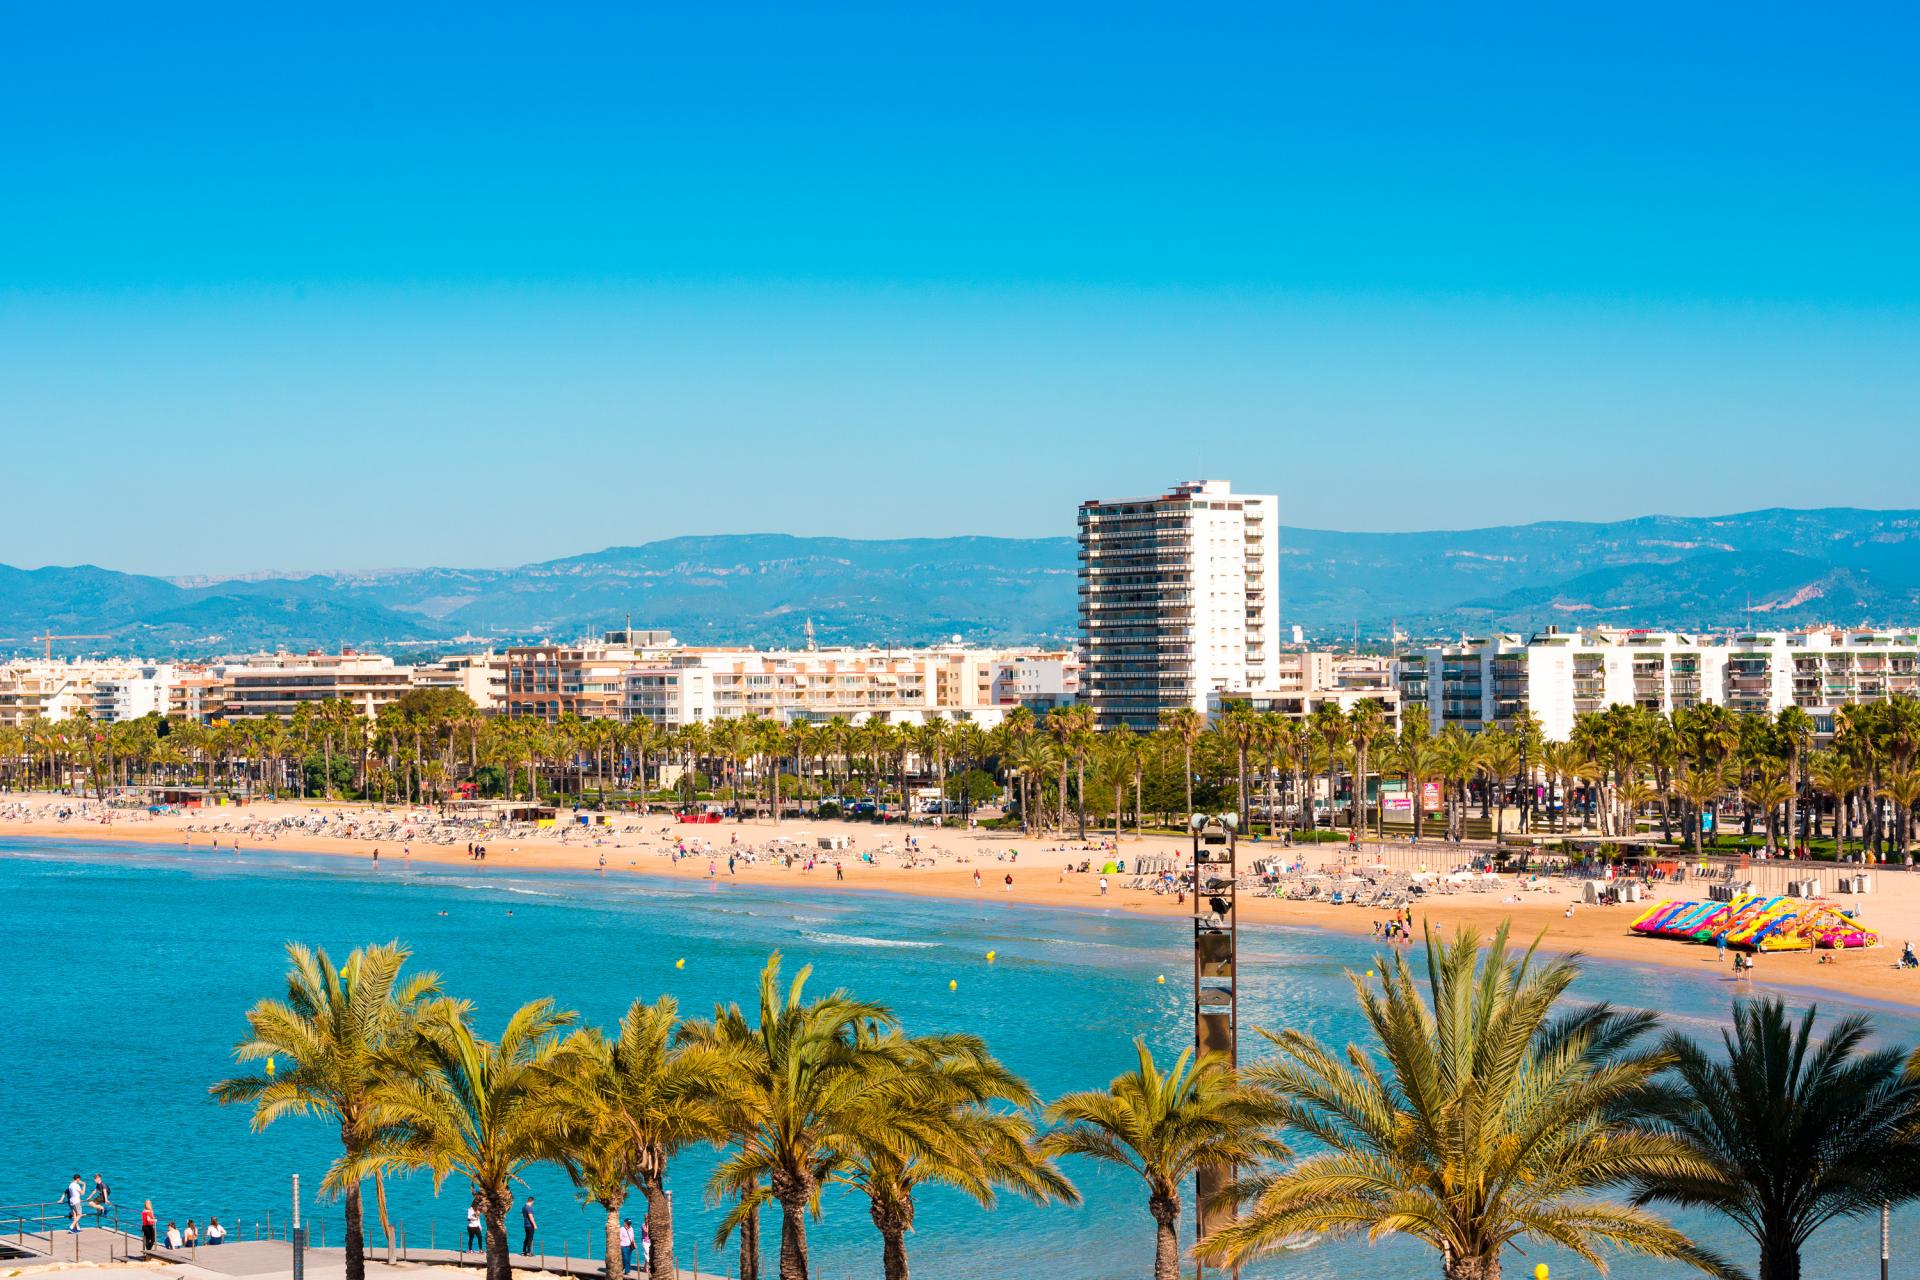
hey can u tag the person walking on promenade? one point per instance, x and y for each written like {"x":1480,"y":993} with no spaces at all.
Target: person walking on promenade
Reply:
{"x":626,"y":1246}
{"x":474,"y":1242}
{"x":75,"y":1193}
{"x":528,"y":1226}
{"x":147,"y":1221}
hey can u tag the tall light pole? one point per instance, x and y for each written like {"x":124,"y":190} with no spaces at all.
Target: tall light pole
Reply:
{"x":1216,"y":996}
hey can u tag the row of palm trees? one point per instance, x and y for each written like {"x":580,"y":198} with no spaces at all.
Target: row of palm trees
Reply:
{"x":1617,"y":768}
{"x":1488,"y":1112}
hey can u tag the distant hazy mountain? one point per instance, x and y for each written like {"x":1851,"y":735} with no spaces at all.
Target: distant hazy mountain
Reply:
{"x":1787,"y":567}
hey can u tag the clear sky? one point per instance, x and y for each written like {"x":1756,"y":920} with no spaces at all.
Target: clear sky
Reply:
{"x":469,"y":284}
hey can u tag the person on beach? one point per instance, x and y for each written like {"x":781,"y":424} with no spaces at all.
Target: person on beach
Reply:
{"x":1103,"y":885}
{"x":527,"y":1225}
{"x":1720,"y":948}
{"x":147,"y":1222}
{"x":376,"y":855}
{"x":215,"y":1232}
{"x":473,"y":1224}
{"x":626,"y":1245}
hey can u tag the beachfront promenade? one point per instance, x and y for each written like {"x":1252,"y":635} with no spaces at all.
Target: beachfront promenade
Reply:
{"x":96,"y":1247}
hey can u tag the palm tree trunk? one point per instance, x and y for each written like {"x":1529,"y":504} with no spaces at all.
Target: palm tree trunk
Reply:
{"x":750,"y":1246}
{"x":893,"y":1254}
{"x":793,"y":1241}
{"x":1166,"y":1238}
{"x":659,"y":1228}
{"x":356,"y":1241}
{"x":1080,"y":793}
{"x":1188,"y":775}
{"x":616,"y":1269}
{"x":1471,"y":1268}
{"x":1779,"y":1260}
{"x":498,"y":1266}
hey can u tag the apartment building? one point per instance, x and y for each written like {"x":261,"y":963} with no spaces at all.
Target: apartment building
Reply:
{"x":1178,"y":599}
{"x":36,"y":688}
{"x":130,"y":694}
{"x":481,"y":676}
{"x":198,"y":694}
{"x":276,"y":684}
{"x":1306,"y":680}
{"x":901,"y":686}
{"x":547,"y":681}
{"x":1560,"y":675}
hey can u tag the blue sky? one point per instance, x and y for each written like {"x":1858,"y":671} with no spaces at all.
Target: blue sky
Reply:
{"x":460,"y":284}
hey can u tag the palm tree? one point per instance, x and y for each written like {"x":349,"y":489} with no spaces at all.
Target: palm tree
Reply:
{"x":1186,"y":725}
{"x":1499,"y":761}
{"x":1787,"y":1134}
{"x":1700,"y":786}
{"x":955,"y":1136}
{"x":626,"y":1105}
{"x":801,"y":1086}
{"x":1329,"y":724}
{"x":1495,"y":1117}
{"x":1165,"y":1126}
{"x":343,"y":1033}
{"x":483,"y":1109}
{"x":1366,"y":725}
{"x":1901,"y":788}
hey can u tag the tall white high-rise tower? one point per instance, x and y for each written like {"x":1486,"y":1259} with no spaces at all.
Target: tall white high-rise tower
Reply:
{"x":1179,"y":596}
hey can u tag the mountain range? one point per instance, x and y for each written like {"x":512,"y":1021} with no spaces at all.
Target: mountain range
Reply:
{"x":1775,"y":568}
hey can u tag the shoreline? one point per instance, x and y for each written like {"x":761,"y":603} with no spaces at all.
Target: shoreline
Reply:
{"x":637,"y":845}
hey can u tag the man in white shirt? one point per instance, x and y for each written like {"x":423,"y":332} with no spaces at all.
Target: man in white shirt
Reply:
{"x":76,"y":1192}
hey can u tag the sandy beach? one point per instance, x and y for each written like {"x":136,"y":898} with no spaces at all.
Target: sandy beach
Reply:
{"x":975,"y":866}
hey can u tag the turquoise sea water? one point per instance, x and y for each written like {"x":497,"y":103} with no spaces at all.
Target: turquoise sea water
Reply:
{"x":126,"y":969}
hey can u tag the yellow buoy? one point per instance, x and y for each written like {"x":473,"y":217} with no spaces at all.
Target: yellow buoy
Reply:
{"x":1540,"y":1272}
{"x":991,"y":955}
{"x":269,"y":1068}
{"x":681,"y":963}
{"x":1162,"y":979}
{"x":1369,"y":973}
{"x":953,"y":984}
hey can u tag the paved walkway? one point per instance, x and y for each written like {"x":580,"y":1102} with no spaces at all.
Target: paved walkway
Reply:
{"x":90,"y":1245}
{"x":273,"y":1260}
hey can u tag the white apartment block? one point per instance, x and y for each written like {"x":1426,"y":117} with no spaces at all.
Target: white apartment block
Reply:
{"x":276,"y":684}
{"x":142,"y":691}
{"x":41,"y":689}
{"x":1178,"y":599}
{"x":1308,"y":679}
{"x":901,"y":686}
{"x":1559,"y":675}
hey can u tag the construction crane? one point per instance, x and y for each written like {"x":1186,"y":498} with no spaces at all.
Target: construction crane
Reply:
{"x":49,"y":638}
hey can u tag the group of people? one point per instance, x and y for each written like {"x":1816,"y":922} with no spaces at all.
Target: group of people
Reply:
{"x":175,"y":1238}
{"x":530,"y":1226}
{"x":79,"y":1200}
